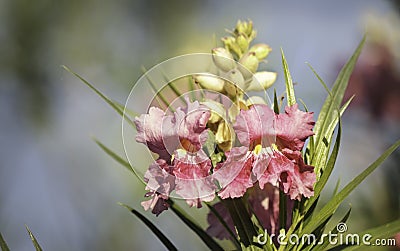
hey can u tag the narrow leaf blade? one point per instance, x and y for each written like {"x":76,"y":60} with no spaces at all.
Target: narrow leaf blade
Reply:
{"x":332,"y":205}
{"x":115,"y":106}
{"x":3,"y":244}
{"x":208,"y":240}
{"x":117,"y":158}
{"x":34,"y":240}
{"x":167,"y":243}
{"x":291,"y":99}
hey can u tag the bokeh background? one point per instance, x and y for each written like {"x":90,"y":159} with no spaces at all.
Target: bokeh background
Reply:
{"x":56,"y":180}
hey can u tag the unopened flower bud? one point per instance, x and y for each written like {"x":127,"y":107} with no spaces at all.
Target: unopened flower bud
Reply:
{"x":261,"y":50}
{"x":230,"y":89}
{"x":224,"y":136}
{"x":231,"y":44}
{"x":223,"y":59}
{"x":262,"y":81}
{"x":237,"y":78}
{"x":254,"y":100}
{"x":217,"y":111}
{"x":209,"y":82}
{"x":244,"y":27}
{"x":248,"y":65}
{"x":243,"y":42}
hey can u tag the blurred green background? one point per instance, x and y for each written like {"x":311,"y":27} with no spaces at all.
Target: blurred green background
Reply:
{"x":57,"y":181}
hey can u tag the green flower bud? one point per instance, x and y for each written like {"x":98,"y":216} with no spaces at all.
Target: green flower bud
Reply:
{"x":248,"y":65}
{"x":209,"y":82}
{"x":244,"y":27}
{"x":262,"y":81}
{"x":230,"y":44}
{"x":243,"y":42}
{"x":261,"y":50}
{"x":223,"y":59}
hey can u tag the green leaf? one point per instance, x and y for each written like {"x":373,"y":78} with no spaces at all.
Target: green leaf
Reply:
{"x":127,"y":111}
{"x":276,"y":105}
{"x":332,"y":102}
{"x":34,"y":241}
{"x":322,"y":150}
{"x":208,"y":240}
{"x":119,"y":159}
{"x":242,"y":221}
{"x":327,"y":172}
{"x":333,"y":231}
{"x":291,"y":99}
{"x":116,"y":107}
{"x":167,"y":243}
{"x":159,"y":95}
{"x":333,"y":204}
{"x":3,"y":244}
{"x":385,"y":231}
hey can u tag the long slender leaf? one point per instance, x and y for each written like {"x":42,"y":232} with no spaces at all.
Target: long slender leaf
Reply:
{"x":327,"y":114}
{"x":208,"y":240}
{"x":3,"y":244}
{"x":159,"y":95}
{"x":322,"y":150}
{"x":34,"y":241}
{"x":332,"y":205}
{"x":117,"y":158}
{"x":328,"y":170}
{"x":115,"y":106}
{"x":242,"y":221}
{"x":167,"y":243}
{"x":291,"y":99}
{"x":324,"y":244}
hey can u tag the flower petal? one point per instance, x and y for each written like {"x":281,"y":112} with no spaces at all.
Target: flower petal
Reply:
{"x":193,"y":180}
{"x":256,"y":125}
{"x":156,"y":130}
{"x":234,"y":175}
{"x":293,"y":127}
{"x":191,"y":125}
{"x":292,"y":176}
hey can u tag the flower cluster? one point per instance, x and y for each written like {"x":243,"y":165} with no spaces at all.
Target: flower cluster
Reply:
{"x":256,"y":147}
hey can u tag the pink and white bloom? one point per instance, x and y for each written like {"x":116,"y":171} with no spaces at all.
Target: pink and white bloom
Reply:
{"x":193,"y":180}
{"x":157,"y":131}
{"x":272,"y":155}
{"x":160,"y":182}
{"x":181,"y":166}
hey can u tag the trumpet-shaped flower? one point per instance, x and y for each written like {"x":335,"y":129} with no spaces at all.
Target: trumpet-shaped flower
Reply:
{"x":193,"y":180}
{"x":157,"y":131}
{"x":160,"y":182}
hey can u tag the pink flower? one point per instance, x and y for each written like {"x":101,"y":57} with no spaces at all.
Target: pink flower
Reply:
{"x":280,"y":165}
{"x":188,"y":170}
{"x":293,"y":127}
{"x":234,"y":175}
{"x":193,"y":180}
{"x":255,"y":130}
{"x":157,"y":131}
{"x":256,"y":126}
{"x":190,"y":125}
{"x":292,"y":175}
{"x":160,"y":183}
